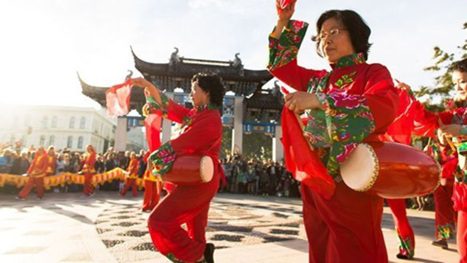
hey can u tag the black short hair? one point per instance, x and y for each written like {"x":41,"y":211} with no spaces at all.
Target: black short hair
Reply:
{"x":358,"y":30}
{"x":212,"y":84}
{"x":460,"y":65}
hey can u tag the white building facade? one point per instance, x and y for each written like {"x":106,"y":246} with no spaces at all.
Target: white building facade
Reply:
{"x":64,"y":127}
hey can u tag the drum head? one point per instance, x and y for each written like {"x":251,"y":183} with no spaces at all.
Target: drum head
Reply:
{"x":206,"y":169}
{"x":360,"y":170}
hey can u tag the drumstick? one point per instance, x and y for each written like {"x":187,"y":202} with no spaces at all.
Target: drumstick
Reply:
{"x":451,"y":144}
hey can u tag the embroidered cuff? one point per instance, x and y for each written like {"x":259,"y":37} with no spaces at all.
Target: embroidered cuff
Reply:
{"x":162,"y":159}
{"x":153,"y":106}
{"x":462,"y":147}
{"x":285,"y":49}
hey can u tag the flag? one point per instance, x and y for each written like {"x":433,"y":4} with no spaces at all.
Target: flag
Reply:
{"x":301,"y":160}
{"x":118,"y":99}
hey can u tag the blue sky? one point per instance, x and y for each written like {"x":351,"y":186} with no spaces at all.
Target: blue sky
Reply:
{"x":45,"y":43}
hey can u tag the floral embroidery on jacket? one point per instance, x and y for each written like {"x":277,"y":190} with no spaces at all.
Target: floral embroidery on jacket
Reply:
{"x":346,"y":119}
{"x":345,"y":79}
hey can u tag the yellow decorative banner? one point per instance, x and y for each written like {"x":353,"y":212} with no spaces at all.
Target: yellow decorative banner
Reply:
{"x":68,"y":178}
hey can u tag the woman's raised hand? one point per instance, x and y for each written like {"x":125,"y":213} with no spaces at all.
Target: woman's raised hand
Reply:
{"x":285,"y":14}
{"x":149,"y":88}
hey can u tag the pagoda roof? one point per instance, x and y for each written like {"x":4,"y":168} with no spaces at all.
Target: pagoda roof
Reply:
{"x":187,"y":67}
{"x":180,"y":70}
{"x":266,"y":99}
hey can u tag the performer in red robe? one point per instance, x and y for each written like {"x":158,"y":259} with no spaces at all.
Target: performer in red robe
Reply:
{"x":354,"y":102}
{"x":452,"y":125}
{"x":413,"y":118}
{"x":51,"y":161}
{"x":36,"y":173}
{"x":398,"y":132}
{"x":132,"y":176}
{"x":202,"y":135}
{"x":445,"y":216}
{"x":152,"y":189}
{"x":88,"y":170}
{"x":152,"y":184}
{"x":455,"y":126}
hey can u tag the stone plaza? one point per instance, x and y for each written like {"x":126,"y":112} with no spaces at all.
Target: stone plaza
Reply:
{"x":66,"y":227}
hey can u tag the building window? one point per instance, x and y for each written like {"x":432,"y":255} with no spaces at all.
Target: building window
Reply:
{"x":72,"y":123}
{"x":54,"y":122}
{"x":69,"y":142}
{"x":82,"y":123}
{"x":45,"y":119}
{"x":51,"y":140}
{"x":42,"y":140}
{"x":80,"y":142}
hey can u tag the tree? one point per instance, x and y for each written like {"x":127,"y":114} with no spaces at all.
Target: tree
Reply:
{"x":442,"y":64}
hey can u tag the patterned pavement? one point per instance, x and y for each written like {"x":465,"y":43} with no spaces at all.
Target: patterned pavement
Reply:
{"x":123,"y":227}
{"x":66,"y":227}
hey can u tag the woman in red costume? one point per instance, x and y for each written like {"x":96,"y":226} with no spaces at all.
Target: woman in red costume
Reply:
{"x":132,"y":176}
{"x":419,"y":121}
{"x":352,"y":103}
{"x":36,"y":173}
{"x":445,"y":216}
{"x":455,"y":126}
{"x":451,"y":126}
{"x":397,"y":133}
{"x":152,"y":189}
{"x":88,"y":170}
{"x":201,"y":135}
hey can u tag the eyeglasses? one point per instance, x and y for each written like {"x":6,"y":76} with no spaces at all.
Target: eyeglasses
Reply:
{"x":325,"y":34}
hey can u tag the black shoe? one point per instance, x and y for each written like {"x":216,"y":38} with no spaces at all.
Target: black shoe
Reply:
{"x":442,"y":243}
{"x":209,"y":253}
{"x":403,"y":256}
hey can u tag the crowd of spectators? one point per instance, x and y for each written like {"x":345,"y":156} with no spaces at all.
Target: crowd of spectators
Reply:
{"x":258,"y":177}
{"x":16,"y":160}
{"x":243,"y":176}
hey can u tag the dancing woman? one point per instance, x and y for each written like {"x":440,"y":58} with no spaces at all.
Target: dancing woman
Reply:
{"x":201,"y":135}
{"x":354,"y":102}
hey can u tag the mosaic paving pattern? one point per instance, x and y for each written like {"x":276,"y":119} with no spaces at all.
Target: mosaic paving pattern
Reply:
{"x":124,"y":227}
